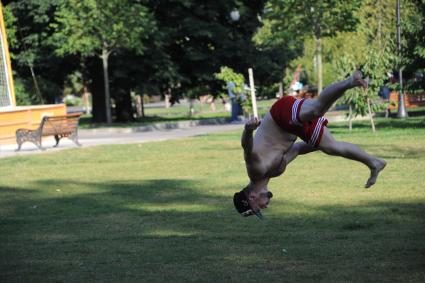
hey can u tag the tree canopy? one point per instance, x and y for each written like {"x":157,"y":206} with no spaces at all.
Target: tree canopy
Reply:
{"x":176,"y":46}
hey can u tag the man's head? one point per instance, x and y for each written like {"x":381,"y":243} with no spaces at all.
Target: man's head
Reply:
{"x":249,"y":202}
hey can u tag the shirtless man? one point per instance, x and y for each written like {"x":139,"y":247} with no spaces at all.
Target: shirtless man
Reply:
{"x":273,"y":146}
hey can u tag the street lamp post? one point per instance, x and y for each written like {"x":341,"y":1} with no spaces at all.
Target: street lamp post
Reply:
{"x":401,"y":113}
{"x":234,"y":16}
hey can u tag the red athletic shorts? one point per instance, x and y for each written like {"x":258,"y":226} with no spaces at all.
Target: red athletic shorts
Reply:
{"x":286,"y":113}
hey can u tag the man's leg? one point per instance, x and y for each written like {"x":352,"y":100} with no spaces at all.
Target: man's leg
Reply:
{"x":296,"y":149}
{"x":344,"y":149}
{"x":317,"y":107}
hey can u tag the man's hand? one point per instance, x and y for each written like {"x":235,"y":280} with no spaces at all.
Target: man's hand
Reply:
{"x":252,"y":124}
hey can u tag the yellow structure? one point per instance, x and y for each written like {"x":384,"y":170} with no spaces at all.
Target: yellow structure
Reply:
{"x":28,"y":117}
{"x":13,"y":117}
{"x":7,"y":93}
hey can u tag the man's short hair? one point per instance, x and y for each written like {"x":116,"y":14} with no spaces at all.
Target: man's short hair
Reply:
{"x":241,"y":203}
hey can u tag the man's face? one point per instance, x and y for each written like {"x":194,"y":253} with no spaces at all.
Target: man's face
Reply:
{"x":259,"y":200}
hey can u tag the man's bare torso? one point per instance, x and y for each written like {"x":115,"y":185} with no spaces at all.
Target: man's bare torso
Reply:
{"x":267,"y":159}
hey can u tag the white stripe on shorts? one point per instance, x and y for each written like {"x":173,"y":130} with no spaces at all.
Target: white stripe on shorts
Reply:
{"x":295,"y":112}
{"x":316,"y":131}
{"x":319,"y":128}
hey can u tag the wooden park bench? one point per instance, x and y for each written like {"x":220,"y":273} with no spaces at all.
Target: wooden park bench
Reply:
{"x":57,"y":126}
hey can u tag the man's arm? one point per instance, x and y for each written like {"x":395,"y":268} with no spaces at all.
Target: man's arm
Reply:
{"x":247,"y":139}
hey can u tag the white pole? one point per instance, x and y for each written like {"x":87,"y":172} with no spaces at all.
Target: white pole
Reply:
{"x":252,"y":87}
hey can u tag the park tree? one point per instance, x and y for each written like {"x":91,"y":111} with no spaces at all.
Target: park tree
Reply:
{"x":292,"y":21}
{"x":100,"y":28}
{"x":379,"y":26}
{"x":413,"y":44}
{"x":201,"y":36}
{"x":39,"y":72}
{"x":272,"y":57}
{"x":365,"y":101}
{"x":376,"y":47}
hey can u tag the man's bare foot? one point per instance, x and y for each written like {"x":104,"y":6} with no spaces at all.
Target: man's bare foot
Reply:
{"x":357,"y":80}
{"x":374,"y":171}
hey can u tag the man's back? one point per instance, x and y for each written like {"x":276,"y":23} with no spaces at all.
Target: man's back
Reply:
{"x":270,"y":144}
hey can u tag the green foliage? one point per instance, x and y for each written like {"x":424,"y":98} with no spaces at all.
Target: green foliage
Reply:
{"x":292,"y":19}
{"x":90,"y":26}
{"x":74,"y":84}
{"x":352,"y":43}
{"x":200,"y":36}
{"x":26,"y":94}
{"x":29,"y":33}
{"x":10,"y":25}
{"x":22,"y":93}
{"x":413,"y":50}
{"x":295,"y":21}
{"x":355,"y":98}
{"x":98,"y":28}
{"x":377,"y":20}
{"x":375,"y":28}
{"x":28,"y":27}
{"x":375,"y":66}
{"x":72,"y":100}
{"x":228,"y":75}
{"x":180,"y":44}
{"x":377,"y":55}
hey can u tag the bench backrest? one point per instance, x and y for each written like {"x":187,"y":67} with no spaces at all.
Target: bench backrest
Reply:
{"x":59,"y":125}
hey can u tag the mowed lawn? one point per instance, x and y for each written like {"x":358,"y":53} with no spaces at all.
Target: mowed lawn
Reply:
{"x":163,"y":212}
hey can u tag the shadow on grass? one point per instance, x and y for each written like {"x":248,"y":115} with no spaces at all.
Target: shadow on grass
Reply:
{"x":177,"y":230}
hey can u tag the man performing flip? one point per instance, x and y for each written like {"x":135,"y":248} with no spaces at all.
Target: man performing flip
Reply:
{"x":273,"y":146}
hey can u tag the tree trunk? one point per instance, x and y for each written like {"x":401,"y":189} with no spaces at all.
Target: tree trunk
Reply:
{"x":167,"y":96}
{"x":94,"y":68}
{"x":138,"y":103}
{"x":191,"y":107}
{"x":143,"y":104}
{"x":142,"y":96}
{"x":318,"y":41}
{"x":37,"y":89}
{"x":86,"y":100}
{"x":350,"y":118}
{"x":280,"y":89}
{"x":104,"y":57}
{"x":370,"y":115}
{"x":123,"y":107}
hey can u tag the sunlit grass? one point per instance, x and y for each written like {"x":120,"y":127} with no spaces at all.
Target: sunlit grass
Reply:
{"x":161,"y":212}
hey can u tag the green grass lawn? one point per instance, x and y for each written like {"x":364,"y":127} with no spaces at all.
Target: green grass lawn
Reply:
{"x":163,"y":212}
